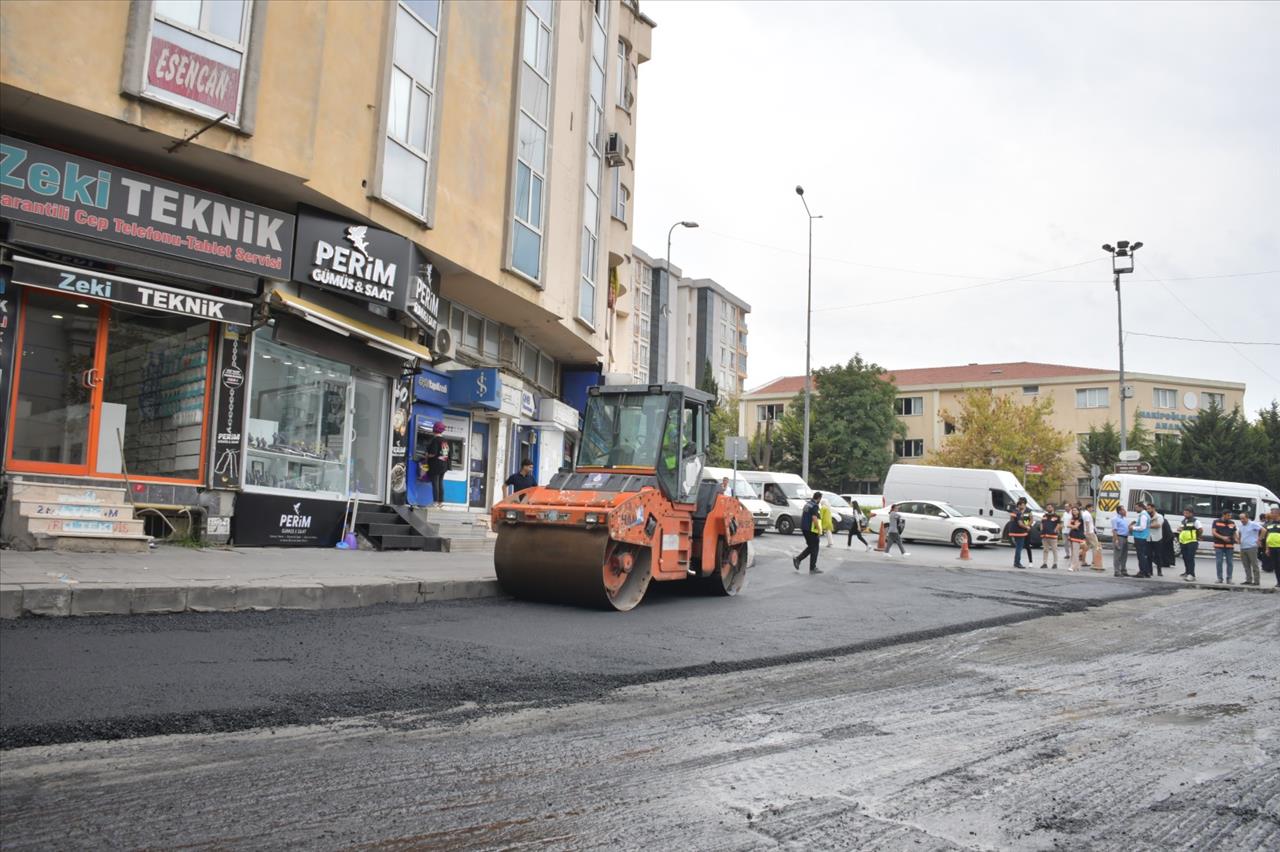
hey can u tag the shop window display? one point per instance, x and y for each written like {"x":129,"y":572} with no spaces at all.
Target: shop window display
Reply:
{"x":315,"y":425}
{"x":153,"y":396}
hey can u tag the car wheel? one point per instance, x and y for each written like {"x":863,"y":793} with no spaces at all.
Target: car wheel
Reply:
{"x":960,"y":537}
{"x":785,"y":525}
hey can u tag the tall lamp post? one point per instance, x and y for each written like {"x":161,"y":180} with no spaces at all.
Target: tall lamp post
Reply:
{"x":1121,"y":264}
{"x":808,"y":338}
{"x":669,"y":296}
{"x":669,"y":233}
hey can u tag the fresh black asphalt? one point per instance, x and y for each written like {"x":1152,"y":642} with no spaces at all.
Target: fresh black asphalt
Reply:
{"x":66,"y":680}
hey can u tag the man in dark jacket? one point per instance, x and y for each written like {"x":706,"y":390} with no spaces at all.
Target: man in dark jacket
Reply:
{"x":812,"y":540}
{"x":437,"y":462}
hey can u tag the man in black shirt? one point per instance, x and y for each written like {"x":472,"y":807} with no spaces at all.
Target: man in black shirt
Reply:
{"x":522,"y":480}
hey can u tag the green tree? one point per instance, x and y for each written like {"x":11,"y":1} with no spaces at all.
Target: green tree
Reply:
{"x":708,"y":382}
{"x":1140,"y":439}
{"x":851,"y":426}
{"x":1267,"y":436}
{"x":1100,"y":447}
{"x":996,"y":431}
{"x":1218,"y":445}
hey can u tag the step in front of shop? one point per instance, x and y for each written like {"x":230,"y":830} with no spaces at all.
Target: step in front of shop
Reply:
{"x":76,"y":518}
{"x":385,"y":529}
{"x":466,"y":534}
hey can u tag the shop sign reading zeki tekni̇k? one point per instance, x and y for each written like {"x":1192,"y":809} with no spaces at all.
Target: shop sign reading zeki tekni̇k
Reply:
{"x":364,"y":262}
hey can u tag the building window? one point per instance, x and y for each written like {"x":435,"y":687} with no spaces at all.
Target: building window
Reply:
{"x":1093,"y":398}
{"x":1165,"y":438}
{"x":1210,"y":400}
{"x":411,"y":97}
{"x":621,"y":195}
{"x":949,"y":427}
{"x":770,"y":411}
{"x":1165,"y":398}
{"x":1030,"y":390}
{"x":623,"y":71}
{"x":474,"y":334}
{"x":911,"y":448}
{"x":194,"y":57}
{"x":908,"y":406}
{"x":537,"y":367}
{"x":1084,"y":488}
{"x":529,"y":204}
{"x":593,"y":126}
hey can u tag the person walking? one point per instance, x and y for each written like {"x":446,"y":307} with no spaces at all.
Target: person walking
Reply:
{"x":828,"y":526}
{"x":1075,"y":537}
{"x":1050,"y":525}
{"x":1120,"y":543}
{"x":1224,"y":541}
{"x":1140,"y":530}
{"x":522,"y":479}
{"x":1189,"y":543}
{"x":1155,"y":528}
{"x":896,"y":526}
{"x":1271,"y":545}
{"x":1091,"y":539}
{"x":1250,"y":532}
{"x":811,"y":527}
{"x":1020,"y":525}
{"x":855,"y":529}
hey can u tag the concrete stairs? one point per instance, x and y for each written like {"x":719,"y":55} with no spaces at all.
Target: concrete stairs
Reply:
{"x":77,"y":518}
{"x":464,"y":532}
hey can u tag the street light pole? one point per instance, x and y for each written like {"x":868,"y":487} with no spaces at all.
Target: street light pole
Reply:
{"x":808,"y":339}
{"x":1121,"y":263}
{"x":670,"y":294}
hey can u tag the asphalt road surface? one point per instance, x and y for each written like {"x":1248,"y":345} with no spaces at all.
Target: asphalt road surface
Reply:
{"x":873,"y":706}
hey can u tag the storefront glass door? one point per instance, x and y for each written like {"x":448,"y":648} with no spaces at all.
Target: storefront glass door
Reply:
{"x":58,"y":384}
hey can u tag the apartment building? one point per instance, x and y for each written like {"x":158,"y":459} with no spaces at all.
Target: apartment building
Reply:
{"x":279,"y":241}
{"x":1083,"y":398}
{"x":681,"y":327}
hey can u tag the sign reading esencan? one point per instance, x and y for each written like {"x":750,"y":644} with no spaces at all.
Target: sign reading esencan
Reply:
{"x":367,"y":264}
{"x":92,"y":199}
{"x":184,"y":72}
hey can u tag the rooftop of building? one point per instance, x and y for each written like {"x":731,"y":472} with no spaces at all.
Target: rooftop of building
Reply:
{"x":1010,"y":372}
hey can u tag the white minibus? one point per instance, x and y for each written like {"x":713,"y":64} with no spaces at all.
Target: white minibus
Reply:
{"x":984,"y":493}
{"x":1208,"y":498}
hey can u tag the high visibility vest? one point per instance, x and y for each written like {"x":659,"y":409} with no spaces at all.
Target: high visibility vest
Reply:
{"x":1188,"y":533}
{"x":1273,"y":534}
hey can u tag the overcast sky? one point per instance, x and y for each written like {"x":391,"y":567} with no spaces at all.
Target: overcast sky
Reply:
{"x":951,"y":145}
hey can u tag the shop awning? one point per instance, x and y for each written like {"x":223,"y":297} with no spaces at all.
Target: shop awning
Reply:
{"x":343,"y":324}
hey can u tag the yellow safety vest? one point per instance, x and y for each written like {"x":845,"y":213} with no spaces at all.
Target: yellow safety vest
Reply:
{"x":1273,"y":534}
{"x":1188,"y":533}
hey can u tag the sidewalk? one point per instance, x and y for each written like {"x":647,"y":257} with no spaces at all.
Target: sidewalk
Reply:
{"x":180,"y":579}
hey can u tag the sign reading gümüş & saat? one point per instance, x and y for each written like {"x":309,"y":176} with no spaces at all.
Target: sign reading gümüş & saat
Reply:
{"x":104,"y":202}
{"x":368,"y":264}
{"x":273,"y":520}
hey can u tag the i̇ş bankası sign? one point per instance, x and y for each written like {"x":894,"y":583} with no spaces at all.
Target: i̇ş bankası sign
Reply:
{"x":85,"y":197}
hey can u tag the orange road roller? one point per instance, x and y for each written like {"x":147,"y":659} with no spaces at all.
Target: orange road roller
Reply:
{"x":635,"y":508}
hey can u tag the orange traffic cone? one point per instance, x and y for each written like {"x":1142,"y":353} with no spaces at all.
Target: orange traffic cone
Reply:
{"x":1097,"y":559}
{"x":964,"y":548}
{"x":884,"y":536}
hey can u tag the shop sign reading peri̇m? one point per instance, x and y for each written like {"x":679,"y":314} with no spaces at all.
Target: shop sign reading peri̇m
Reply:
{"x":367,"y":264}
{"x":81,"y":196}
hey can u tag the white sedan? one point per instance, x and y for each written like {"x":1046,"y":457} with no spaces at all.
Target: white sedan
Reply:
{"x":931,"y":520}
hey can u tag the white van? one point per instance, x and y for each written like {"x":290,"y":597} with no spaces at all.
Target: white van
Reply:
{"x":786,"y":495}
{"x":981,"y":493}
{"x":1208,"y":498}
{"x":746,"y":494}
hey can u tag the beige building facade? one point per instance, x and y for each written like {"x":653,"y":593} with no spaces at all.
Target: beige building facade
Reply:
{"x":1083,"y":398}
{"x":489,"y":145}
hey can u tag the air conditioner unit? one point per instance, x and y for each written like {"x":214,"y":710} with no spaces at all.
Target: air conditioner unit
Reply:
{"x":446,"y":347}
{"x":613,"y":150}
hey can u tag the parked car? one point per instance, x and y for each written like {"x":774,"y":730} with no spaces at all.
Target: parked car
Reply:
{"x":933,"y":520}
{"x":983,"y":493}
{"x":746,"y":494}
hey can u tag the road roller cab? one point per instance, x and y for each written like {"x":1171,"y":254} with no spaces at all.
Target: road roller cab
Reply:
{"x":634,"y":509}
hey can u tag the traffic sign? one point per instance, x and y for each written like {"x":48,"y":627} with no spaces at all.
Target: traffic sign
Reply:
{"x":1133,"y":467}
{"x":1034,"y":468}
{"x":735,"y":448}
{"x":1130,"y":455}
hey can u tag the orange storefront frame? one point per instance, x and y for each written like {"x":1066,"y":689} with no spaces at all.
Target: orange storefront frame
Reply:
{"x":89,"y":468}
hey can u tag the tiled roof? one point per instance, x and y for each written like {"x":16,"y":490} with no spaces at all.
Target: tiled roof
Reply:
{"x":968,"y":373}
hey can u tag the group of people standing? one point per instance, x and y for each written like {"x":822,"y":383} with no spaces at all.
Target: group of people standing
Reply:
{"x":1075,"y":528}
